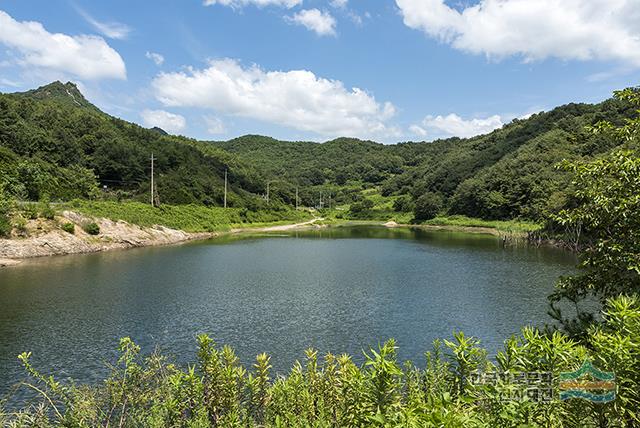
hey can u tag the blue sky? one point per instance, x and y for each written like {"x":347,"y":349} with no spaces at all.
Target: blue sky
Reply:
{"x":421,"y":69}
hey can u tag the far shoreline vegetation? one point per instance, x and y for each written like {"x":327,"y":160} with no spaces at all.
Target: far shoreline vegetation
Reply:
{"x":571,"y":174}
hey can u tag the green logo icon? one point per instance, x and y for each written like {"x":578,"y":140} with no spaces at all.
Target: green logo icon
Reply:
{"x":588,"y":383}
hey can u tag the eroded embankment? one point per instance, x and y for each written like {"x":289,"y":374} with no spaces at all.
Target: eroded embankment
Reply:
{"x":41,"y":238}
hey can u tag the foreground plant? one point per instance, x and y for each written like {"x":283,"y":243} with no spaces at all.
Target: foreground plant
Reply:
{"x":217,"y":391}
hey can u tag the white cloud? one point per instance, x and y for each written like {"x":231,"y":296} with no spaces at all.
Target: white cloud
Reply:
{"x":453,"y":125}
{"x":155,"y":57}
{"x":113,"y":30}
{"x":533,"y":29}
{"x":297,"y":99}
{"x":418,"y":130}
{"x":236,"y":4}
{"x":339,"y":4}
{"x":172,"y":123}
{"x":214,"y":125}
{"x":322,"y":23}
{"x":87,"y":57}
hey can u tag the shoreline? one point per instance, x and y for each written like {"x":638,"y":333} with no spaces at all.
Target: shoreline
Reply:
{"x":120,"y":235}
{"x":114,"y":235}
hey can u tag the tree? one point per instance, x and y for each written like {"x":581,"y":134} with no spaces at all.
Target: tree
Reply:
{"x":361,"y":206}
{"x":5,"y":208}
{"x":607,"y":213}
{"x":428,"y":206}
{"x":403,"y":204}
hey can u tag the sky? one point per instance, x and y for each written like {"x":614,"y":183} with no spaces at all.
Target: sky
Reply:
{"x":386,"y":70}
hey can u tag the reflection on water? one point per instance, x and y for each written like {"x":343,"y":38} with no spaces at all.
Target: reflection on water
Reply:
{"x":336,"y":289}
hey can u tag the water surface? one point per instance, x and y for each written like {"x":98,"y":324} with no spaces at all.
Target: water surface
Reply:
{"x":338,"y":290}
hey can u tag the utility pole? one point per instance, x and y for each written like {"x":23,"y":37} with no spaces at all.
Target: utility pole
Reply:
{"x":152,"y":188}
{"x":321,"y":199}
{"x":225,"y":188}
{"x":296,"y":198}
{"x":268,"y":182}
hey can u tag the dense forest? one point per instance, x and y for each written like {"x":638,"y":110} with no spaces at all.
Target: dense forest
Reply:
{"x":509,"y":173}
{"x":56,"y":144}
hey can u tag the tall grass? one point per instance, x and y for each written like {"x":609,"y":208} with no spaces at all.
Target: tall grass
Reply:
{"x":507,"y":226}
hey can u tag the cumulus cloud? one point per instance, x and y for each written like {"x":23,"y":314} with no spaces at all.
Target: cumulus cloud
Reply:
{"x":322,"y":23}
{"x":87,"y":57}
{"x":260,"y":3}
{"x":297,"y":98}
{"x":215,"y":125}
{"x":534,"y":30}
{"x":453,"y":125}
{"x":418,"y":130}
{"x":155,"y":57}
{"x":113,"y":30}
{"x":170,"y":122}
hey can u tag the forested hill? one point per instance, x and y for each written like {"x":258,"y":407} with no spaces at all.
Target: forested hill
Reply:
{"x":509,"y":173}
{"x":55,"y":143}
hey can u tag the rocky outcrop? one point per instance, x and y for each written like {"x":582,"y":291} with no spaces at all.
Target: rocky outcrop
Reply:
{"x":46,"y":238}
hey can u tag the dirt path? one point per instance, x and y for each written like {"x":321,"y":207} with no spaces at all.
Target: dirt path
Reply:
{"x":280,"y":228}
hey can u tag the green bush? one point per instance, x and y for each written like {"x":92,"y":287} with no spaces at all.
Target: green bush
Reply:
{"x":71,"y":228}
{"x":361,"y":206}
{"x":30,"y":211}
{"x":45,"y":210}
{"x":20,"y":224}
{"x":403,"y":204}
{"x":5,"y":226}
{"x":428,"y":206}
{"x":5,"y":211}
{"x":92,"y":228}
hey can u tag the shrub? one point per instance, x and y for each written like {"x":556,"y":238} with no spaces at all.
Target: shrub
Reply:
{"x":92,"y":229}
{"x":30,"y":211}
{"x":70,"y":228}
{"x":362,"y":206}
{"x":20,"y":224}
{"x":5,"y":226}
{"x":5,"y":209}
{"x":428,"y":206}
{"x":45,"y":209}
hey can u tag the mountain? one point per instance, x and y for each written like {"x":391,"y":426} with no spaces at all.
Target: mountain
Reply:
{"x":63,"y":93}
{"x":54,"y":142}
{"x":508,"y":173}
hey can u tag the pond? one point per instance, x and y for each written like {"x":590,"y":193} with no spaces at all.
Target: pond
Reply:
{"x":341,"y":290}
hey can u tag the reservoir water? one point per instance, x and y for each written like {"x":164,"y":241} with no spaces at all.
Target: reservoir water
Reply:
{"x":342,"y":290}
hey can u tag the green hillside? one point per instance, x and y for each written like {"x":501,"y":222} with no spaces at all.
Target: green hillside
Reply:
{"x":55,"y":143}
{"x":509,"y":173}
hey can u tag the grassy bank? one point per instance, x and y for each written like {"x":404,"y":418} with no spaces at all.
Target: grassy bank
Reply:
{"x":190,"y":218}
{"x":511,"y":227}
